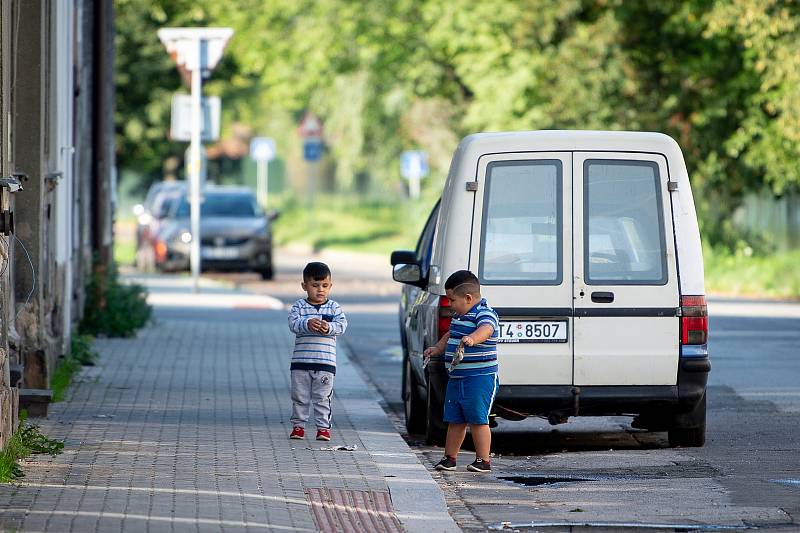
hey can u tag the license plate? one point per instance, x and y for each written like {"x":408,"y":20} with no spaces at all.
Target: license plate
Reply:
{"x":220,"y":252}
{"x":533,"y":331}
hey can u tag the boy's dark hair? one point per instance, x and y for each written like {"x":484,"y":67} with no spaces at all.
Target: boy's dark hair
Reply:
{"x":316,"y":271}
{"x":463,"y":282}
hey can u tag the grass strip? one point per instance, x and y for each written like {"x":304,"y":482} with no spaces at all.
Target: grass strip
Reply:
{"x":81,"y":354}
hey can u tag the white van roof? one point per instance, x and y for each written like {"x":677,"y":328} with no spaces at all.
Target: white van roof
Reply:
{"x":570,"y":140}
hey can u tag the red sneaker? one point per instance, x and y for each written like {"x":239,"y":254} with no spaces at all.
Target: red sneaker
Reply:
{"x":323,"y":434}
{"x":298,"y":433}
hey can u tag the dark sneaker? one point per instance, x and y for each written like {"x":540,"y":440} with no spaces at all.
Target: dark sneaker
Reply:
{"x":446,"y":464}
{"x":479,"y":465}
{"x":323,"y":434}
{"x":298,"y":433}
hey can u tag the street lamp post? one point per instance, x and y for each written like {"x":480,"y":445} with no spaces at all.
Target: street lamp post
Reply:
{"x":196,"y":50}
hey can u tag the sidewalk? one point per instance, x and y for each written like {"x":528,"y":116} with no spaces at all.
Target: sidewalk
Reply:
{"x":184,"y":428}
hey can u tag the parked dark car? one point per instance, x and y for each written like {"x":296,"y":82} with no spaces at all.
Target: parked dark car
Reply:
{"x":235,"y":233}
{"x":151,"y":215}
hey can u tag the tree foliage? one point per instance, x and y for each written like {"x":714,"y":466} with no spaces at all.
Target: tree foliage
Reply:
{"x":721,"y":76}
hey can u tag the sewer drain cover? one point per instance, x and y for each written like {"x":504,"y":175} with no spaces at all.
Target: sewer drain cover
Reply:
{"x":532,"y":481}
{"x":337,"y":510}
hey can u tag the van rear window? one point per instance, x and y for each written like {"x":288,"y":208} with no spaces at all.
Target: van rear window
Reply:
{"x":521,"y":240}
{"x":623,"y":225}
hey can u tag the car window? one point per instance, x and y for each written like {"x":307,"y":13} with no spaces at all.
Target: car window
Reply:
{"x":521,"y":235}
{"x":216,"y":204}
{"x":425,"y":242}
{"x":623,"y":223}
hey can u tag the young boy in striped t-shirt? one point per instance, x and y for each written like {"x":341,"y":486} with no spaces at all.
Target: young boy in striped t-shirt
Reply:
{"x":316,"y":321}
{"x":469,"y":349}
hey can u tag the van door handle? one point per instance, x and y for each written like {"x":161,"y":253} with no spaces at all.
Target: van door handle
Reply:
{"x":603,"y":297}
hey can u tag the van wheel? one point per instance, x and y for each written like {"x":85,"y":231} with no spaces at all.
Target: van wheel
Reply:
{"x":694,"y":436}
{"x":435,"y":427}
{"x":413,"y":404}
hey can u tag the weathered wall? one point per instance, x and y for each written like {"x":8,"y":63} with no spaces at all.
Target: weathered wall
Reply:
{"x":8,"y":394}
{"x":57,"y":128}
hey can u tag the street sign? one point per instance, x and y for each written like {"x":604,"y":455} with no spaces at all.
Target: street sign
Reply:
{"x":413,"y":164}
{"x":181,"y":124}
{"x":312,"y":148}
{"x":182,"y":46}
{"x":262,"y":148}
{"x":310,"y":126}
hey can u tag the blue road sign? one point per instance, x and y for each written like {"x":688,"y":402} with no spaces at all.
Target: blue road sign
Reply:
{"x":312,"y":149}
{"x":413,"y":164}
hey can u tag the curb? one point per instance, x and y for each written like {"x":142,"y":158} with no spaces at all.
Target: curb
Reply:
{"x":417,"y":499}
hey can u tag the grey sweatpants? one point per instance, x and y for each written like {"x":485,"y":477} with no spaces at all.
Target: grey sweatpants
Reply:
{"x":312,"y":387}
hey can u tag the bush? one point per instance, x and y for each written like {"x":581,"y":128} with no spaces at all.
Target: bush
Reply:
{"x":114,"y":309}
{"x":25,"y":441}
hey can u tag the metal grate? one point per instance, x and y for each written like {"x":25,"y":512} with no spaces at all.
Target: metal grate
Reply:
{"x":345,"y":511}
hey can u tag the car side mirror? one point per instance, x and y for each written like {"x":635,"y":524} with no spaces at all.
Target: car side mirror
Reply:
{"x":407,"y":273}
{"x":273,"y":215}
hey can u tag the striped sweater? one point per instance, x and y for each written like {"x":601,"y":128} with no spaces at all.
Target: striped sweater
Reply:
{"x":312,"y":350}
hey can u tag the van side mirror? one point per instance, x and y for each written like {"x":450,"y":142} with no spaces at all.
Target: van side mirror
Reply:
{"x":273,"y":215}
{"x":403,"y":256}
{"x":407,"y":273}
{"x":406,"y":268}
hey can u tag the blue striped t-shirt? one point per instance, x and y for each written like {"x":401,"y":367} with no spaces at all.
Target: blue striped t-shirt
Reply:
{"x":479,"y":359}
{"x":312,"y":350}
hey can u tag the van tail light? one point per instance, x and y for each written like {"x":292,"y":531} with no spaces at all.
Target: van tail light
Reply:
{"x":161,"y":251}
{"x":694,"y":320}
{"x":445,"y":316}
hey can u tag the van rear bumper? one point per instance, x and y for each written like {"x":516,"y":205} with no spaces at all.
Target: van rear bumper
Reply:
{"x":599,"y":400}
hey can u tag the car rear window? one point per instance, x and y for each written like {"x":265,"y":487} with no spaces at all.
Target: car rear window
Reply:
{"x":623,"y":223}
{"x":521,"y":240}
{"x":222,"y":205}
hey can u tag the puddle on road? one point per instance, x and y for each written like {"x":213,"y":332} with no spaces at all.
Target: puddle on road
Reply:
{"x":534,"y":481}
{"x":608,"y":527}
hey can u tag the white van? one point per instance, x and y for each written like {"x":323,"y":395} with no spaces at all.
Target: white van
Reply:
{"x":586,"y":243}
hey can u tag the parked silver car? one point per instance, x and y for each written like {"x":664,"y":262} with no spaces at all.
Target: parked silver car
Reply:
{"x":235,"y":233}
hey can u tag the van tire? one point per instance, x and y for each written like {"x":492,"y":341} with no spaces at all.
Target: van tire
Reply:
{"x":695,"y":435}
{"x":435,"y":427}
{"x":413,"y":404}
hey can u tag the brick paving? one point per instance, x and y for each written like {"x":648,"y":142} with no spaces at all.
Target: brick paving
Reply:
{"x":184,"y":428}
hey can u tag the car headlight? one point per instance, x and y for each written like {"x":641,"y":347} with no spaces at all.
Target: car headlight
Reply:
{"x":186,"y":237}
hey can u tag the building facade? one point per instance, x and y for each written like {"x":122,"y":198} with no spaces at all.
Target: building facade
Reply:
{"x":57,"y":161}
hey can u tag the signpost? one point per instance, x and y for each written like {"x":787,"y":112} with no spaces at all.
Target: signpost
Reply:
{"x":413,"y":167}
{"x":180,"y":128}
{"x":262,"y":150}
{"x":196,"y":51}
{"x":310,"y":130}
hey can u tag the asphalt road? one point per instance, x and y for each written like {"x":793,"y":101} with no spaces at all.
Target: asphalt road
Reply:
{"x":599,"y":470}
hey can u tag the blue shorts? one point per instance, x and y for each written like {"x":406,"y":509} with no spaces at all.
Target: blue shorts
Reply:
{"x":469,"y":399}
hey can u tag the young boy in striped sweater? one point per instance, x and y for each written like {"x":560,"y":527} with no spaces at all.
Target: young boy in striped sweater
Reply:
{"x":316,"y":321}
{"x":470,"y":350}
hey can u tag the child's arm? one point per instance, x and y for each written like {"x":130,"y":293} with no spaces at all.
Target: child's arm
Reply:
{"x":297,"y":323}
{"x":478,"y":336}
{"x":487,"y":323}
{"x":438,"y":348}
{"x":338,"y":325}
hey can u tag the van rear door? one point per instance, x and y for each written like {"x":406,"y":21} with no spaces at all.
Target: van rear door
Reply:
{"x":521,"y":250}
{"x":626,"y":286}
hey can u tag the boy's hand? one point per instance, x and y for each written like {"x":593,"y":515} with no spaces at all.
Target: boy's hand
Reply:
{"x":430,"y":352}
{"x":467,"y":340}
{"x":317,"y":325}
